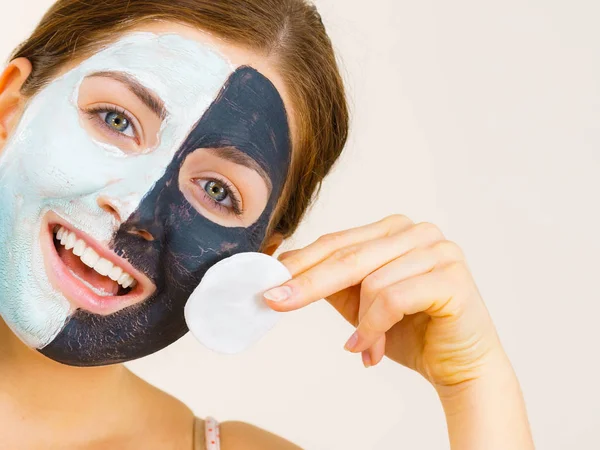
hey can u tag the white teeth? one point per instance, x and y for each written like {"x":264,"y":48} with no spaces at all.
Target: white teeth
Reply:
{"x":71,"y":239}
{"x":79,"y":248}
{"x":127,"y":280}
{"x":91,"y":259}
{"x":123,"y":278}
{"x":115,"y":273}
{"x":103,"y":267}
{"x":129,"y":283}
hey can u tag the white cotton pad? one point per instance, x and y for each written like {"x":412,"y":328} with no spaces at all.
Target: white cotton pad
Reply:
{"x":227,"y":312}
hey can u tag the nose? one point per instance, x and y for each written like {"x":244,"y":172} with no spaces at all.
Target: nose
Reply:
{"x":146,"y":235}
{"x":117,"y":209}
{"x":110,"y":206}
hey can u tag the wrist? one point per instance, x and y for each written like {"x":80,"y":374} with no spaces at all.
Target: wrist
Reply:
{"x":487,"y":411}
{"x":494,"y":374}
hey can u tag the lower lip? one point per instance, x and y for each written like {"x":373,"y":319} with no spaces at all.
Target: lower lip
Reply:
{"x":78,"y":294}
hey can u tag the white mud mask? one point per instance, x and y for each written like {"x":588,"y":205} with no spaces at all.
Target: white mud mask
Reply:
{"x":53,"y":170}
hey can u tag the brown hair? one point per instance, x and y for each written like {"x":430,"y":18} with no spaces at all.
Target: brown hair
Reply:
{"x":291,"y":31}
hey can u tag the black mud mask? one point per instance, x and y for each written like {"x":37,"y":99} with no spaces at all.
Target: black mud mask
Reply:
{"x":248,"y":115}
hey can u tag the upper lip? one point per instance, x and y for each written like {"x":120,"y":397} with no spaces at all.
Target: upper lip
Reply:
{"x":146,"y":286}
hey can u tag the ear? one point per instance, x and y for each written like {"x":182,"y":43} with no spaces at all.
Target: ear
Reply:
{"x":272,"y":244}
{"x":11,"y":100}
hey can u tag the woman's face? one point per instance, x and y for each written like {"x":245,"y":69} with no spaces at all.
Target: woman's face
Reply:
{"x":126,"y":179}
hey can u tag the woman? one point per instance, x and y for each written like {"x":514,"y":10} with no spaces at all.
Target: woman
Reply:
{"x":144,"y":141}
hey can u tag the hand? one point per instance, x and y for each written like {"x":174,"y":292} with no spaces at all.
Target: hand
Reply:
{"x":408,"y":291}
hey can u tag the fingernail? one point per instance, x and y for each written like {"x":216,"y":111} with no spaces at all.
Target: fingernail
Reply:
{"x":351,"y":344}
{"x":366,"y":357}
{"x":279,"y":294}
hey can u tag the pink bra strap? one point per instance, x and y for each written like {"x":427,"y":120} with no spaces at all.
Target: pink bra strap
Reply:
{"x":213,"y":437}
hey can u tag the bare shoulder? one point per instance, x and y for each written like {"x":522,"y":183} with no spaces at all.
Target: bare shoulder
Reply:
{"x":164,"y":421}
{"x":244,"y":436}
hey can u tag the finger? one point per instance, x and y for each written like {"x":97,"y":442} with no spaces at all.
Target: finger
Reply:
{"x":347,"y":303}
{"x":347,"y":267}
{"x":429,"y":293}
{"x":416,"y":262}
{"x":373,"y":356}
{"x":298,"y":261}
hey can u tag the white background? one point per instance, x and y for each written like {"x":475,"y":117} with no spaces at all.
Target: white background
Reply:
{"x":482,"y":117}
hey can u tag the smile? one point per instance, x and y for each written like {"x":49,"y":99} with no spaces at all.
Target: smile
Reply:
{"x":90,"y":258}
{"x":90,"y":276}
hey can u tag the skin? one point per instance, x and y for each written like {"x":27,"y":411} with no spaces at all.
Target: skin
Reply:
{"x":39,"y":394}
{"x":410,"y":295}
{"x":406,"y":288}
{"x":85,"y":158}
{"x":186,"y":242}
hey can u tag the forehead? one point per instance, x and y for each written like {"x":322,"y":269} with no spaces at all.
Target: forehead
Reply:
{"x":187,"y":75}
{"x":203,"y":50}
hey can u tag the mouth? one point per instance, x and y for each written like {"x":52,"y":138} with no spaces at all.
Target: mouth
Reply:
{"x":90,"y":276}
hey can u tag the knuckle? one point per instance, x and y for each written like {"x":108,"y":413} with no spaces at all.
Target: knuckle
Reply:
{"x":370,"y":285}
{"x":462,"y":284}
{"x":294,"y":262}
{"x":347,"y":256}
{"x":291,"y":257}
{"x":368,"y":324}
{"x":395,"y":218}
{"x":395,"y":221}
{"x":421,"y":254}
{"x":457,"y":271}
{"x":305,"y":282}
{"x":288,"y":254}
{"x":330,"y":239}
{"x":391,"y":301}
{"x":429,"y":230}
{"x":449,"y":250}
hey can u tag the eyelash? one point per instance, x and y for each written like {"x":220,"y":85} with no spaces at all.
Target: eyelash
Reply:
{"x":94,"y":114}
{"x":236,"y":207}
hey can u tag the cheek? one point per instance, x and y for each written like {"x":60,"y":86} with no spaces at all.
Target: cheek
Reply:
{"x":194,"y":242}
{"x":57,"y":157}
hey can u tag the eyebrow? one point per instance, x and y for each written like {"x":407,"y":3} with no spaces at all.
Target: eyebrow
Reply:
{"x":156,"y":105}
{"x":237,"y":156}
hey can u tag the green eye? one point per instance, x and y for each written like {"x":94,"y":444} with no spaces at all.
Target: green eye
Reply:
{"x":217,"y":191}
{"x":117,"y":121}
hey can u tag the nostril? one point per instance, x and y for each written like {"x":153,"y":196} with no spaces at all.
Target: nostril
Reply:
{"x":111,"y":211}
{"x":107,"y":206}
{"x":142,"y":233}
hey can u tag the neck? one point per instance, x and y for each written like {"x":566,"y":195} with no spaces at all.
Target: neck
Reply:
{"x":51,"y":395}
